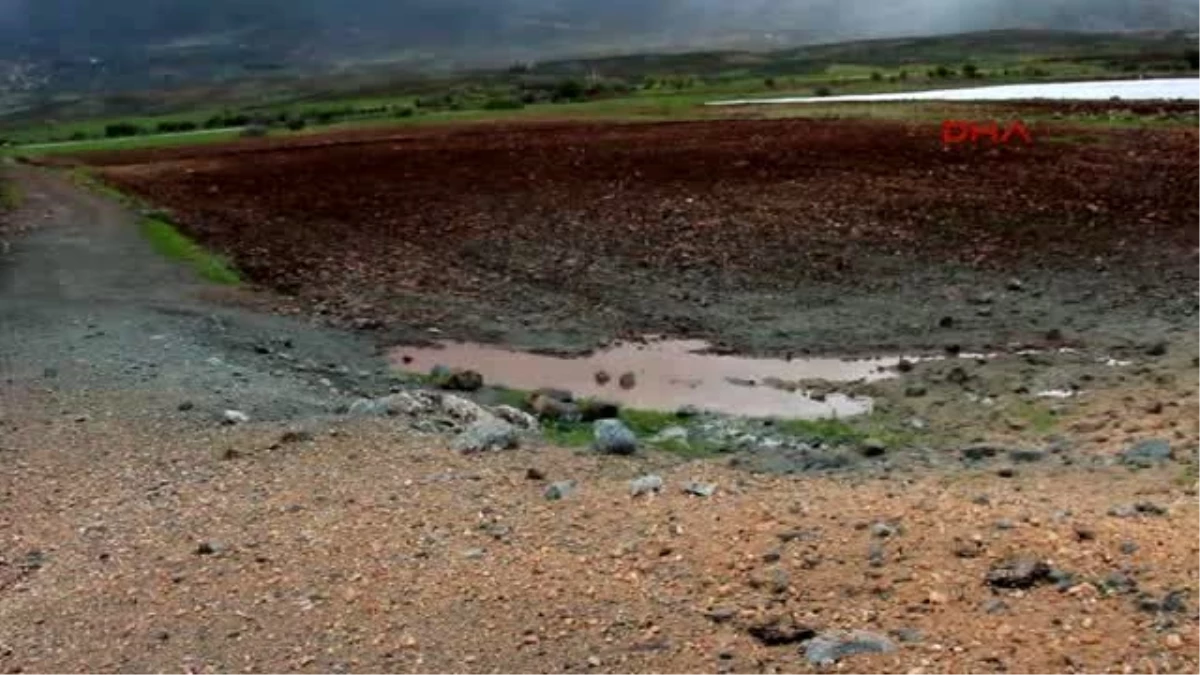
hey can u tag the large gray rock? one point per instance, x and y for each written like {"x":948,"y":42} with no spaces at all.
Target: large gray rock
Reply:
{"x":486,"y":434}
{"x":828,"y":648}
{"x":612,"y":437}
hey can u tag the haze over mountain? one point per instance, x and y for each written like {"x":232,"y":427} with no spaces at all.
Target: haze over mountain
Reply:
{"x":116,"y":42}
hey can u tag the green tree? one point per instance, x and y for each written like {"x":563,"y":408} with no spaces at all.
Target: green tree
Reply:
{"x":970,"y":70}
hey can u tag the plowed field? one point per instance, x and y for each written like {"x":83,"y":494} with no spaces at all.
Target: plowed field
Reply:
{"x":744,"y":231}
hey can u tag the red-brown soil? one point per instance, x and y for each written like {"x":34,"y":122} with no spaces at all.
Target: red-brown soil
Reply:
{"x":358,"y":225}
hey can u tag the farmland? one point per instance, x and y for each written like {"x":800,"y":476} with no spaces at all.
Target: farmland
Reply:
{"x":565,"y":236}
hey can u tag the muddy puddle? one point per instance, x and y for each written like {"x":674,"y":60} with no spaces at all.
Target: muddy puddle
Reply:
{"x":667,"y":375}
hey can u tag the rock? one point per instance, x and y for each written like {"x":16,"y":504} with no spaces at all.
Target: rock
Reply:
{"x":518,"y":418}
{"x":915,"y":391}
{"x":474,"y":553}
{"x":485,"y":435}
{"x":602,"y":377}
{"x":946,"y":322}
{"x":1018,"y":573}
{"x":1138,"y":509}
{"x":828,"y":648}
{"x":296,"y":436}
{"x":1023,"y":455}
{"x":645,"y":485}
{"x":957,"y":375}
{"x":404,"y":403}
{"x":367,"y":407}
{"x":882,"y":530}
{"x":699,"y":489}
{"x":876,"y":554}
{"x":1014,"y":284}
{"x":980,"y":452}
{"x":775,"y":579}
{"x":1128,"y":547}
{"x":232,"y":417}
{"x":627,"y":381}
{"x":559,"y":490}
{"x":460,"y":380}
{"x":534,"y":474}
{"x":1157,"y":348}
{"x":994,"y":606}
{"x":873,"y":447}
{"x":1147,"y":453}
{"x":612,"y":437}
{"x":553,"y":409}
{"x":591,"y":410}
{"x":780,"y":631}
{"x":463,"y":410}
{"x":186,"y":406}
{"x":209,"y":548}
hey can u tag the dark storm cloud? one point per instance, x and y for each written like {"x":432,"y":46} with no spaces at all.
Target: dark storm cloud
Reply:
{"x":528,"y":24}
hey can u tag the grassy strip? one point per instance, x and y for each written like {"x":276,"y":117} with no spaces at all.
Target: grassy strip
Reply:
{"x":173,"y":244}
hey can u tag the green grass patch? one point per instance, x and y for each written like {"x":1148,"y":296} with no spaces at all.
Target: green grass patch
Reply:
{"x":1039,"y":418}
{"x":826,"y":430}
{"x":173,"y":244}
{"x":10,"y":196}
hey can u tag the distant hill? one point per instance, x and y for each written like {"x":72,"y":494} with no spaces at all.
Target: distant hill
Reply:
{"x":123,"y":44}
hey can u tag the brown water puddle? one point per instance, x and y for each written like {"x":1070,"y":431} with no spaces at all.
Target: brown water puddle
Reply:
{"x":669,"y":374}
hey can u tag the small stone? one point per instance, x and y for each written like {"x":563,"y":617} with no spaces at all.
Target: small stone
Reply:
{"x":186,"y":406}
{"x":721,"y":614}
{"x":603,"y":378}
{"x":1128,"y":547}
{"x":1018,"y":573}
{"x":534,"y":474}
{"x":594,"y":661}
{"x":232,"y":417}
{"x":994,"y":606}
{"x":612,"y":437}
{"x":828,"y":648}
{"x":873,"y":447}
{"x":1157,"y":348}
{"x":915,"y":391}
{"x":876,"y":555}
{"x":474,"y":553}
{"x":1006,"y":472}
{"x":1014,"y":284}
{"x":698,"y":489}
{"x":296,"y":436}
{"x":645,"y":485}
{"x":780,"y":631}
{"x":946,"y":322}
{"x":938,"y":598}
{"x":559,"y":490}
{"x":882,"y":530}
{"x":627,"y":381}
{"x":1022,"y":455}
{"x":1173,"y":641}
{"x":208,"y":548}
{"x":1084,"y":533}
{"x":772,"y":556}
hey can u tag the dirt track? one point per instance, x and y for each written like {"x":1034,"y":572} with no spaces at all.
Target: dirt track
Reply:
{"x":746,"y":232}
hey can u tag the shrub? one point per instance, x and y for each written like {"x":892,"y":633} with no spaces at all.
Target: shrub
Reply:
{"x":1192,"y":56}
{"x":970,"y":70}
{"x":876,"y":76}
{"x":405,"y":112}
{"x":296,"y":124}
{"x":568,"y":90}
{"x":769,"y":83}
{"x":903,"y":75}
{"x":122,"y":129}
{"x":944,"y":72}
{"x":823,"y":91}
